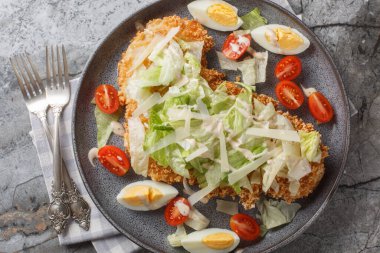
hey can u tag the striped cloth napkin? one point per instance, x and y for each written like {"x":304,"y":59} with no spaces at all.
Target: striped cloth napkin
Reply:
{"x":100,"y":228}
{"x":103,"y":235}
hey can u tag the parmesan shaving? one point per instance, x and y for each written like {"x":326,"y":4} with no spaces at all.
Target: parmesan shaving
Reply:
{"x":160,"y":45}
{"x":227,"y":207}
{"x":139,"y":158}
{"x":196,"y":220}
{"x":147,"y":50}
{"x":223,"y":153}
{"x":187,"y":190}
{"x":246,"y":169}
{"x":196,"y":153}
{"x":280,"y":134}
{"x":147,"y":104}
{"x":197,"y":196}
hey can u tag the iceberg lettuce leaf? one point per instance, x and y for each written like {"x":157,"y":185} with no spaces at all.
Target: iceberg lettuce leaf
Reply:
{"x":310,"y":146}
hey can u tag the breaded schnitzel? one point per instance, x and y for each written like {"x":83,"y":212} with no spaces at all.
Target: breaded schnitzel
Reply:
{"x":191,"y":30}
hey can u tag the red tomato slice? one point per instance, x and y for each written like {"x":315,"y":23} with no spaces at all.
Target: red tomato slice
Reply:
{"x":289,"y":94}
{"x":245,"y":227}
{"x":235,"y":46}
{"x":173,"y":215}
{"x":288,"y":68}
{"x":114,"y":159}
{"x":320,"y":107}
{"x":106,"y":98}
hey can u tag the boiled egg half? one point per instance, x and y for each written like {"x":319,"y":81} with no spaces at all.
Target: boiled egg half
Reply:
{"x":211,"y":240}
{"x":215,"y":14}
{"x":146,"y":195}
{"x":280,"y":39}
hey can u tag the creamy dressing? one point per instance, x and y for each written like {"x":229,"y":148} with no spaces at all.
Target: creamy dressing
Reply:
{"x":235,"y":48}
{"x":183,"y":209}
{"x":243,"y":40}
{"x":92,"y":154}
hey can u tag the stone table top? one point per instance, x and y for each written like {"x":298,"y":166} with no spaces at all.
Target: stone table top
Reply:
{"x":350,"y":30}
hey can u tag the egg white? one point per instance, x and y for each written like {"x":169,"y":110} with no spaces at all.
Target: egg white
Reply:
{"x":198,"y":9}
{"x":168,"y":192}
{"x":258,"y":35}
{"x":193,"y":241}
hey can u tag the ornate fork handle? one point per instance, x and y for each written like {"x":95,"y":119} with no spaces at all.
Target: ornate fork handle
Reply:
{"x":80,"y":210}
{"x":59,"y":211}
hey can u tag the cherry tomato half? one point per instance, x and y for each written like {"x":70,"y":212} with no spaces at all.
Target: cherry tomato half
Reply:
{"x":173,"y":215}
{"x":320,"y":107}
{"x":235,"y":46}
{"x":114,"y":159}
{"x":289,"y":94}
{"x":288,"y":68}
{"x":106,"y":98}
{"x":245,"y":227}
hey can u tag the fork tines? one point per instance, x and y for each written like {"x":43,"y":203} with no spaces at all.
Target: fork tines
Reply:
{"x":55,"y":81}
{"x":27,"y":76}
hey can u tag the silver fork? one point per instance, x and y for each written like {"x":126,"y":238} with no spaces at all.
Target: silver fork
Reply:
{"x":58,"y":95}
{"x":34,"y":95}
{"x":35,"y":99}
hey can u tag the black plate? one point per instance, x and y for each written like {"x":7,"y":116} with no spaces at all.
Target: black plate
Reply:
{"x":148,"y":229}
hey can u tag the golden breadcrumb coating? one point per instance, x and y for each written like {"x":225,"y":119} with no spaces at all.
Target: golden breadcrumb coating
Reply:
{"x":191,"y":30}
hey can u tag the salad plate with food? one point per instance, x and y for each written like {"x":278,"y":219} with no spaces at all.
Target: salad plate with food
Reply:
{"x":211,"y":126}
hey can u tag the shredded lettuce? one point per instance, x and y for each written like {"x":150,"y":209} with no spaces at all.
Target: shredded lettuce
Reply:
{"x":136,"y":92}
{"x":237,"y":118}
{"x":215,"y":137}
{"x":244,"y":183}
{"x":171,"y":63}
{"x":146,"y":77}
{"x":253,"y":70}
{"x":103,"y":125}
{"x":253,"y":19}
{"x":192,"y":66}
{"x":226,"y":63}
{"x":276,"y":213}
{"x":310,"y":146}
{"x":263,"y":112}
{"x":193,"y":47}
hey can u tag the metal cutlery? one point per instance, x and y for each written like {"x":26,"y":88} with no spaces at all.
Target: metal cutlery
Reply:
{"x":34,"y":94}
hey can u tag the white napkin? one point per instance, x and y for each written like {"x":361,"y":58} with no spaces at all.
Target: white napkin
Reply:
{"x":99,"y":227}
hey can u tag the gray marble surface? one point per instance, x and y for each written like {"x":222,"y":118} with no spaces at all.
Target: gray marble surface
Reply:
{"x":349,"y":28}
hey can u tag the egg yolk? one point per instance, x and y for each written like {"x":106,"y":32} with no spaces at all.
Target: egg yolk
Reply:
{"x":287,"y":39}
{"x":140,"y":194}
{"x":218,"y":241}
{"x":222,"y":14}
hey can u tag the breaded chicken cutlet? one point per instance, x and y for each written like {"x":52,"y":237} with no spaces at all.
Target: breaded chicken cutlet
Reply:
{"x":191,"y":30}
